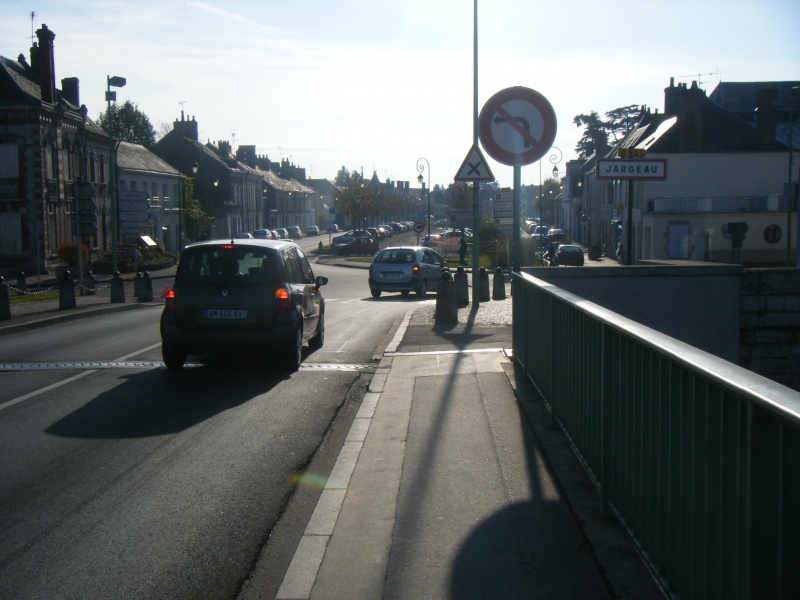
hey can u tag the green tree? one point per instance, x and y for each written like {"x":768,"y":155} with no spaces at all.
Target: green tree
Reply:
{"x":196,"y":221}
{"x":597,"y":132}
{"x":459,"y":196}
{"x":127,"y":123}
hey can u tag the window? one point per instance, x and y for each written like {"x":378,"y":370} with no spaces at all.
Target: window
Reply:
{"x":9,"y":161}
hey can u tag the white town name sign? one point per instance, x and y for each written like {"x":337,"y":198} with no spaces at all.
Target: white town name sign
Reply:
{"x":620,"y":168}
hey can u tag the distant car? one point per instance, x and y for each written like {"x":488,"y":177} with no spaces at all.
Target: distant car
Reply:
{"x":555,"y":235}
{"x":295,"y":232}
{"x":312,"y":230}
{"x":376,"y":233}
{"x":569,"y":254}
{"x":406,"y":269}
{"x":243,"y":236}
{"x":355,"y":242}
{"x":262,"y":234}
{"x":333,"y":228}
{"x":283,"y":233}
{"x":388,"y":231}
{"x":243,"y":297}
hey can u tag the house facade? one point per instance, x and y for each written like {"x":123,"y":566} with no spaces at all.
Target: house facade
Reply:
{"x":47,"y":144}
{"x":721,"y":169}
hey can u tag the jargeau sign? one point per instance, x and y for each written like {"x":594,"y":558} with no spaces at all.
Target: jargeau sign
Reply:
{"x":622,"y":168}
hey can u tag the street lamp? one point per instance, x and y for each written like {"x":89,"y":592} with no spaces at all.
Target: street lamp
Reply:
{"x":119,"y":82}
{"x":421,"y":179}
{"x":554,"y":159}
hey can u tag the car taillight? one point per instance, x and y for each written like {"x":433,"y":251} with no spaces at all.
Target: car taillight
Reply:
{"x":284,"y":300}
{"x":169,"y":300}
{"x":415,"y":270}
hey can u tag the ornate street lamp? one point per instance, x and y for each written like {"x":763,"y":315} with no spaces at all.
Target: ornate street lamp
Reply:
{"x":119,"y":82}
{"x":421,"y":179}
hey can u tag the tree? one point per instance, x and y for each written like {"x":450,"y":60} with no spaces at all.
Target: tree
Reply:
{"x":127,"y":123}
{"x":551,"y":188}
{"x":597,"y":132}
{"x":356,"y":201}
{"x":459,"y":196}
{"x":196,"y":221}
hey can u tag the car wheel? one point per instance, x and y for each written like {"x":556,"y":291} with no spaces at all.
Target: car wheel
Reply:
{"x":423,"y":289}
{"x":318,"y":340}
{"x":173,"y":357}
{"x":376,"y":293}
{"x":294,"y":352}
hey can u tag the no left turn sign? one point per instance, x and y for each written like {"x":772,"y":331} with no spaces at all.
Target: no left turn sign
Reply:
{"x":517,"y":126}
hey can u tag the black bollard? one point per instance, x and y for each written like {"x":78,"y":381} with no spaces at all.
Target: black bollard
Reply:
{"x":499,"y":285}
{"x":146,"y":294}
{"x":117,"y":289}
{"x":22,"y":284}
{"x":483,"y":277}
{"x":446,"y":309}
{"x":66,"y":292}
{"x":5,"y":304}
{"x":462,"y":287}
{"x":137,"y":285}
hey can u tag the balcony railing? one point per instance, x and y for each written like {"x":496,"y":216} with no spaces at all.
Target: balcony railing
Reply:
{"x":699,"y":459}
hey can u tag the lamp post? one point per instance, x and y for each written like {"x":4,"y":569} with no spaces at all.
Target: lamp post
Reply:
{"x":555,"y":176}
{"x":554,"y":159}
{"x":421,"y":179}
{"x":119,"y":82}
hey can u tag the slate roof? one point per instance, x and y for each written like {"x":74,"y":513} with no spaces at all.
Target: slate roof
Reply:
{"x":134,"y":157}
{"x":21,"y":85}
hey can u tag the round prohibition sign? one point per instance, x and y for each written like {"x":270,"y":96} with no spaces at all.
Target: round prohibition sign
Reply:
{"x":517,"y":126}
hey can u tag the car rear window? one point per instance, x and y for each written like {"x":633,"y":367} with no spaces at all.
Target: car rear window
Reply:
{"x":229,"y":264}
{"x":396,"y":256}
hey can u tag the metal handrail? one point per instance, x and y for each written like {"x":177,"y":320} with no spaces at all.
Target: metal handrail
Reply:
{"x":699,"y":458}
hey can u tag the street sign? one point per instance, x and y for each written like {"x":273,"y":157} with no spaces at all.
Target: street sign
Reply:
{"x":504,"y":211}
{"x":133,"y":200}
{"x":474,"y":167}
{"x":419,"y":226}
{"x":517,"y":126}
{"x":621,"y":168}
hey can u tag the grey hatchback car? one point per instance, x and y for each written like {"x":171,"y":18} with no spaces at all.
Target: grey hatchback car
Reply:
{"x":406,"y":269}
{"x":243,"y":296}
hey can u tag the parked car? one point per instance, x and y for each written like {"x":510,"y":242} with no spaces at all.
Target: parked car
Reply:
{"x":333,"y":228}
{"x":312,"y":230}
{"x":242,"y":297}
{"x":295,"y":232}
{"x":262,"y":234}
{"x":569,"y":254}
{"x":243,"y":236}
{"x":355,"y":242}
{"x":388,"y":231}
{"x":406,"y":269}
{"x":555,"y":235}
{"x":376,"y":233}
{"x":283,"y":233}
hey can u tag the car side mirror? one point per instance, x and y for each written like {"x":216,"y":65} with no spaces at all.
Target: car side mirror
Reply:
{"x":320,"y":281}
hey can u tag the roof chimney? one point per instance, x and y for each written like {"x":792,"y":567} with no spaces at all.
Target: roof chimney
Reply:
{"x":187,"y":129}
{"x":766,"y":118}
{"x":71,"y":89}
{"x":43,"y":63}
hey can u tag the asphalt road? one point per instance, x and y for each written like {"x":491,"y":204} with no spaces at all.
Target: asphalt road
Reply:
{"x":121,"y":479}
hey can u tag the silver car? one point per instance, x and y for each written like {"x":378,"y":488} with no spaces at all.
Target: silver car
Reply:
{"x":406,"y":269}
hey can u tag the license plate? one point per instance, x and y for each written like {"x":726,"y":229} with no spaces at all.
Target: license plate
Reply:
{"x":226,"y":313}
{"x":392,"y":275}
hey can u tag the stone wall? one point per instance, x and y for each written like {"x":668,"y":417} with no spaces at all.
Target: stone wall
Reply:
{"x":769,"y":336}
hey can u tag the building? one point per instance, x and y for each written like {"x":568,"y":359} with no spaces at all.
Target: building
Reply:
{"x":47,"y":144}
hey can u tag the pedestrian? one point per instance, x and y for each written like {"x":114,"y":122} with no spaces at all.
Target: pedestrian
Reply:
{"x":462,"y":248}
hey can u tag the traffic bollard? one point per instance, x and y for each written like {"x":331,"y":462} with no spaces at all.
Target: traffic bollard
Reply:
{"x":483,"y":276}
{"x":5,"y":304}
{"x":117,"y":289}
{"x":22,"y":284}
{"x":462,"y":287}
{"x":446,"y":309}
{"x":66,"y":292}
{"x":146,"y":294}
{"x":137,"y":285}
{"x":499,"y":285}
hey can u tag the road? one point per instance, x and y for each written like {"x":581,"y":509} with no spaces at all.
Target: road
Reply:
{"x":121,"y":479}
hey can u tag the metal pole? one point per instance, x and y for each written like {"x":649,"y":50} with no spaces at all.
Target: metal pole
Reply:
{"x":516,"y":239}
{"x":629,"y":257}
{"x":476,"y":206}
{"x":112,"y":196}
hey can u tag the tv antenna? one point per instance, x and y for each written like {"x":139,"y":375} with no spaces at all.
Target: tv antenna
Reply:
{"x":700,"y":80}
{"x":233,"y":135}
{"x":33,"y":16}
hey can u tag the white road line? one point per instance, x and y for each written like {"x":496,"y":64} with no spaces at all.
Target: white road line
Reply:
{"x":58,"y":384}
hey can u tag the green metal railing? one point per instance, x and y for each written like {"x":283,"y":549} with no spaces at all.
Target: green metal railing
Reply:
{"x":699,"y":458}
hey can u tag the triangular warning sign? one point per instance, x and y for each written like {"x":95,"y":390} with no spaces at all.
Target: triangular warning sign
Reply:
{"x":474,"y":167}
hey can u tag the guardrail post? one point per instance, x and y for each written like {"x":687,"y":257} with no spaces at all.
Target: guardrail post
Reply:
{"x":66,"y":292}
{"x":5,"y":305}
{"x":117,"y":289}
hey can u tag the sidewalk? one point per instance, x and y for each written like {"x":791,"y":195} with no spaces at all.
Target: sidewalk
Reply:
{"x":445,"y":486}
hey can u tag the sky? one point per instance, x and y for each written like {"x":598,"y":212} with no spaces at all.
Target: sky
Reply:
{"x":376,"y":85}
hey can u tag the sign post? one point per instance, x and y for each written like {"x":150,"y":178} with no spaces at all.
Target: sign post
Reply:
{"x":517,"y":127}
